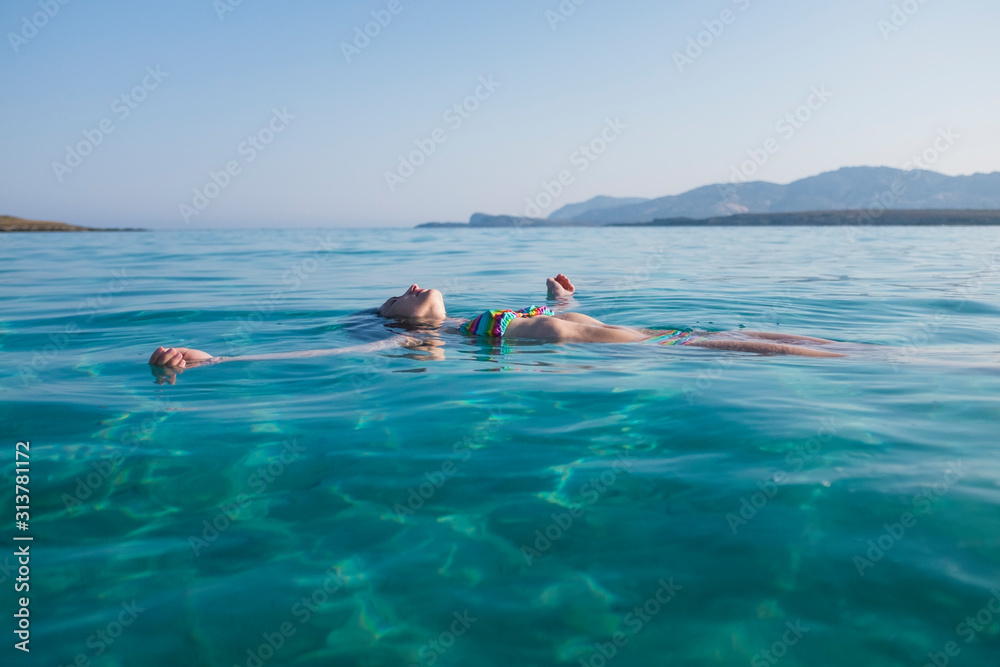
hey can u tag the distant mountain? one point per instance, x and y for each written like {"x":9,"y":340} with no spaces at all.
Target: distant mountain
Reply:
{"x":570,"y":211}
{"x":850,"y":188}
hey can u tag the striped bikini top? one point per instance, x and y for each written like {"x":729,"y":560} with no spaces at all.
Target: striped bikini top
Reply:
{"x":493,"y":323}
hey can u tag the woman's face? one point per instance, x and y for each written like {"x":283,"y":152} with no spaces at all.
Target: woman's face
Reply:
{"x":415,"y":303}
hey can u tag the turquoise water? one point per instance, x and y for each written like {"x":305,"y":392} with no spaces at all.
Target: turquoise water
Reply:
{"x":506,"y":506}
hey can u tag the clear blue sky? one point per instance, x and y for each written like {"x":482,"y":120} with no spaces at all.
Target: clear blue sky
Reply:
{"x":558,"y":84}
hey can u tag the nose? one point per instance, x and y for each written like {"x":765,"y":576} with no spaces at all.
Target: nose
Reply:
{"x":414,"y":287}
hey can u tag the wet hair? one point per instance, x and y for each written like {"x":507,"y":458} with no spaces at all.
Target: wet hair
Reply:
{"x":369,"y":326}
{"x":365,"y":325}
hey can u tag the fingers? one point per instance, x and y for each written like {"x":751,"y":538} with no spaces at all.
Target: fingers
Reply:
{"x":168,"y":357}
{"x":564,"y":281}
{"x":175,"y":358}
{"x":560,"y":286}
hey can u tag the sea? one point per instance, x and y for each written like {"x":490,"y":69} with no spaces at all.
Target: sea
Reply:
{"x":526,"y":504}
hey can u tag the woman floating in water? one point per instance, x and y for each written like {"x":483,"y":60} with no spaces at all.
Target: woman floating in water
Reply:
{"x":425,"y":308}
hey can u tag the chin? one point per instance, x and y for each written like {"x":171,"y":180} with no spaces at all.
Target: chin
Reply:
{"x":435,"y":297}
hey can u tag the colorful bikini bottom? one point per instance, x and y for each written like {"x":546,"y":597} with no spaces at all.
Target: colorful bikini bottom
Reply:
{"x":675,"y":337}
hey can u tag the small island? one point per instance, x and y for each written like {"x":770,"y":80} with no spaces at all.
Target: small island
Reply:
{"x":9,"y":223}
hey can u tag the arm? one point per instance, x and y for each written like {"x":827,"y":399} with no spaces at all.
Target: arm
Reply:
{"x":395,"y":341}
{"x":168,"y":362}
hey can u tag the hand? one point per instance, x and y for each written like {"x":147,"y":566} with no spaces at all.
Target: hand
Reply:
{"x":168,"y":362}
{"x":560,"y":286}
{"x":177,"y":357}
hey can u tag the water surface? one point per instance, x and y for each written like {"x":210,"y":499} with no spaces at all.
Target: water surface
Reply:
{"x":525,"y":504}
